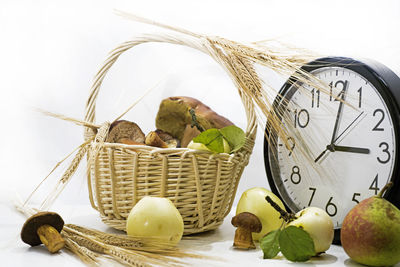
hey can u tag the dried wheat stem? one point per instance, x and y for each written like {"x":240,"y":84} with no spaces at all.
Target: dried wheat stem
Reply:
{"x":89,"y":257}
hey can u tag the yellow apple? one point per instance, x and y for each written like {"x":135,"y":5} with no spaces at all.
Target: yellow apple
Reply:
{"x":317,"y":223}
{"x":155,"y":217}
{"x":253,"y":201}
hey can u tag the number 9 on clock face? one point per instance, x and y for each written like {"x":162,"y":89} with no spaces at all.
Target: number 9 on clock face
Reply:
{"x":342,"y":144}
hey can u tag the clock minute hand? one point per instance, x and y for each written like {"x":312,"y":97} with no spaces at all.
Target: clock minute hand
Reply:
{"x":339,"y":113}
{"x":336,"y":127}
{"x":351,"y":149}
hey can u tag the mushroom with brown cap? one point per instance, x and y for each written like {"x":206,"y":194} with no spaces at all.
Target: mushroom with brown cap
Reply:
{"x":122,"y":129}
{"x":246,"y":224}
{"x":44,"y":227}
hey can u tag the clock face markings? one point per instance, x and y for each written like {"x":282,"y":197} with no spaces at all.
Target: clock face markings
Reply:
{"x":359,"y":152}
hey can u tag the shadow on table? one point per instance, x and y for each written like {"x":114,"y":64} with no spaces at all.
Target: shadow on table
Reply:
{"x":351,"y":263}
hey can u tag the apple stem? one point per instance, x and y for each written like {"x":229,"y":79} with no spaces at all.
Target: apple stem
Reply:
{"x":386,"y":187}
{"x":288,"y":217}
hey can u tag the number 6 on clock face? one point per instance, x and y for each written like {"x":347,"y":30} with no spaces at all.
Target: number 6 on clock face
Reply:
{"x":343,"y":144}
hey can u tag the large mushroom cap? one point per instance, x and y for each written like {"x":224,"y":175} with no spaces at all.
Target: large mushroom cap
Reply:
{"x":29,"y":229}
{"x":247,"y":220}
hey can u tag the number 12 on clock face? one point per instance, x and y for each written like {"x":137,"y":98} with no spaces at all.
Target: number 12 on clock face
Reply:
{"x":342,"y":143}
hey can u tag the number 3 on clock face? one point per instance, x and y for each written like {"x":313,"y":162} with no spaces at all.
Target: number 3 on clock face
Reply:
{"x":343,"y":144}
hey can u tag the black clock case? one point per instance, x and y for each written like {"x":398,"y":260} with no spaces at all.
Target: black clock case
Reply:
{"x":388,"y":85}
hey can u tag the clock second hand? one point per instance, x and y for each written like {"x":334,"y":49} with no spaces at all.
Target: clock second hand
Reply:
{"x":348,"y":127}
{"x":331,"y":147}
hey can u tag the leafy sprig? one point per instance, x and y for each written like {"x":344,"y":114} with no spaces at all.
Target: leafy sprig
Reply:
{"x":293,"y":242}
{"x":213,"y":138}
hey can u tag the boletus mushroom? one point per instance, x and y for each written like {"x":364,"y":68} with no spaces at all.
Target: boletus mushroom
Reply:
{"x":44,"y":227}
{"x":174,"y":117}
{"x":122,"y":130}
{"x":161,"y":139}
{"x":246,"y":224}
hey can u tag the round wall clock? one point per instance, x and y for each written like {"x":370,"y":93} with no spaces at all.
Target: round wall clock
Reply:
{"x":343,"y":144}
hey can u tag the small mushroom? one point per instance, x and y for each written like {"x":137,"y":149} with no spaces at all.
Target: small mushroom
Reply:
{"x":246,"y":223}
{"x":153,"y":139}
{"x":44,"y":227}
{"x":171,"y":141}
{"x":125,"y":129}
{"x":161,"y":139}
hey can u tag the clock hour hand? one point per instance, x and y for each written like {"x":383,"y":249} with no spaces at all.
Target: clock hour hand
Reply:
{"x":351,"y":149}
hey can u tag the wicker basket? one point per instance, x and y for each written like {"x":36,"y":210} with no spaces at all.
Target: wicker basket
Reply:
{"x":202,"y":185}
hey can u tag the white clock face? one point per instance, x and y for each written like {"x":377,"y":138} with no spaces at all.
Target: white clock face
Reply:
{"x":340,"y":152}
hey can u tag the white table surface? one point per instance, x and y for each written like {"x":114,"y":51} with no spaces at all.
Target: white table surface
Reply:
{"x":217,"y":243}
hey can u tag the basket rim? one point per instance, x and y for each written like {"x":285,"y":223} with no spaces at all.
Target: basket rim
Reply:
{"x":249,"y":139}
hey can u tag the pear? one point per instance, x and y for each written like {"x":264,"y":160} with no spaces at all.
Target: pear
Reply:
{"x":370,"y":232}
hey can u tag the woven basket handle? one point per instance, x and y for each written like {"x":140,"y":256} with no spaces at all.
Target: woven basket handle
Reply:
{"x":201,"y":44}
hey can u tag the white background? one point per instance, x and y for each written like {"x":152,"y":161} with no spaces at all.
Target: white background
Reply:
{"x":50,"y":51}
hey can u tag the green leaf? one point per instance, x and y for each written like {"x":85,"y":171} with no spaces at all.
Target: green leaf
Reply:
{"x":235,"y":137}
{"x":212,"y":139}
{"x":270,"y":244}
{"x":296,"y":244}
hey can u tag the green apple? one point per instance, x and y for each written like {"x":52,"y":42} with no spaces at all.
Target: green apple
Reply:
{"x":253,"y":201}
{"x":317,"y":223}
{"x":200,"y":146}
{"x":155,"y":217}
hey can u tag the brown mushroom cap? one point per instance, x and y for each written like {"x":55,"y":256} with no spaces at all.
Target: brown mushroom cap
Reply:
{"x":247,"y":220}
{"x":125,"y":129}
{"x":29,"y":229}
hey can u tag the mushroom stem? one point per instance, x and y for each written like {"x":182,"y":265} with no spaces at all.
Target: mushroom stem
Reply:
{"x":243,"y":239}
{"x":51,"y":238}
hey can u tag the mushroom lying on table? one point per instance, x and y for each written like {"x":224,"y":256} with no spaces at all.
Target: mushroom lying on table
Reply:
{"x":44,"y":227}
{"x":246,"y":224}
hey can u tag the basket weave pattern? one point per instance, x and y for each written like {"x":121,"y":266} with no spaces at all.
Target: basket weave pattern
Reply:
{"x":202,"y":185}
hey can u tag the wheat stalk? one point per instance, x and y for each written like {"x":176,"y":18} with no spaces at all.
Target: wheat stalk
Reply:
{"x":131,"y":251}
